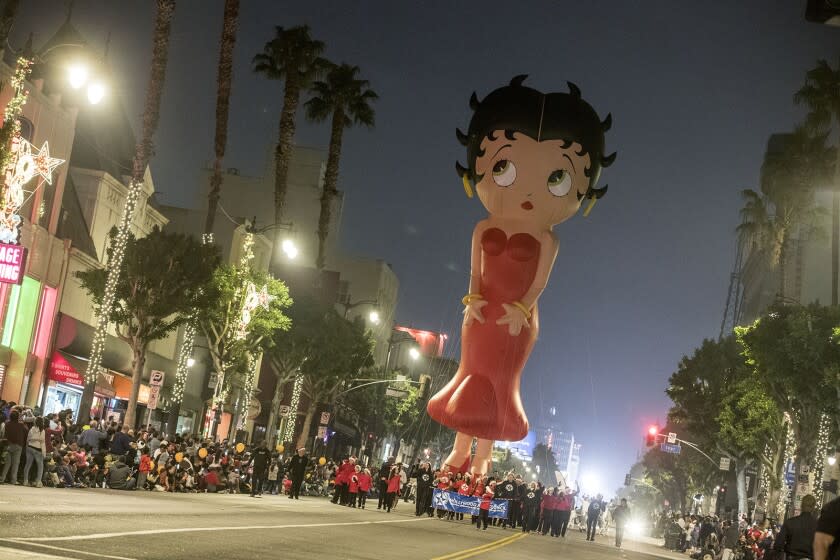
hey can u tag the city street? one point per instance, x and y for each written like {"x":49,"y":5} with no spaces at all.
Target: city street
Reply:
{"x":94,"y":524}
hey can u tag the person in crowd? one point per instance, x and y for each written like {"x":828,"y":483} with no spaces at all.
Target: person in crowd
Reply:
{"x":382,"y":483}
{"x":36,"y":448}
{"x":507,"y":491}
{"x":593,"y":514}
{"x":273,"y":474}
{"x":233,"y":481}
{"x":297,"y":470}
{"x":211,"y":480}
{"x":121,"y":443}
{"x":549,"y":511}
{"x":92,"y":437}
{"x":731,"y":540}
{"x":620,"y":515}
{"x":796,"y":538}
{"x":144,"y":468}
{"x":15,"y":433}
{"x":118,"y":476}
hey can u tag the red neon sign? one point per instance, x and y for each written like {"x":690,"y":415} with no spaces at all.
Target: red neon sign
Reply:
{"x":12,"y":263}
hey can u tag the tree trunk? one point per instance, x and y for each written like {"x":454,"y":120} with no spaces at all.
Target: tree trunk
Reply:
{"x":330,"y":186}
{"x":307,"y":425}
{"x":741,"y":485}
{"x":172,"y":419}
{"x":85,"y":403}
{"x":224,"y":80}
{"x":271,"y":426}
{"x":835,"y":233}
{"x":783,"y":268}
{"x":282,"y":157}
{"x":137,"y":365}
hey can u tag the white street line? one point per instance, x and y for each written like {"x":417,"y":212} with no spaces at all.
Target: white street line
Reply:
{"x":97,"y":536}
{"x":23,"y":553}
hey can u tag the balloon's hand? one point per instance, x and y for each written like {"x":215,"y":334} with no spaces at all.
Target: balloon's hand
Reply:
{"x":472,"y":311}
{"x":514,"y":318}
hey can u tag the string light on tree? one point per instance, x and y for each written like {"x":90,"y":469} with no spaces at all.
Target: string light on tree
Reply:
{"x":184,"y":362}
{"x":789,"y":456}
{"x":249,"y":389}
{"x":293,"y":406}
{"x":823,"y":446}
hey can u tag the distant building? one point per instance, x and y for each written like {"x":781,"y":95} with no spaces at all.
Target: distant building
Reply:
{"x":807,"y":262}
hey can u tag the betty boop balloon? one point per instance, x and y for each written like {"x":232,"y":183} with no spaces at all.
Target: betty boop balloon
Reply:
{"x":533,"y":158}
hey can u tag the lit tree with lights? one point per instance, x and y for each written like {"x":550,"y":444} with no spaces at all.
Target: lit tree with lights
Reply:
{"x":235,"y":344}
{"x":142,"y":155}
{"x":160,"y":281}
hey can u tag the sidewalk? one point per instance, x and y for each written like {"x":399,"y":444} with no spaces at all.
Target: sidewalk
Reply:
{"x":650,"y":545}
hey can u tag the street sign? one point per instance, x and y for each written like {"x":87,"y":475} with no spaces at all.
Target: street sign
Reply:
{"x":670,"y":448}
{"x":155,"y":383}
{"x":285,"y":410}
{"x":724,"y":463}
{"x":325,"y":418}
{"x":672,"y":437}
{"x":395,"y":393}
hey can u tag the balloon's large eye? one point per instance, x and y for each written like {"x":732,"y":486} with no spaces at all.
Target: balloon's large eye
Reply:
{"x":504,"y":173}
{"x":559,"y":182}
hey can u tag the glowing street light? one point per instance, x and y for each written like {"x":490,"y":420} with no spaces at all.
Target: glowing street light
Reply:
{"x":414,"y":353}
{"x":95,"y":93}
{"x":290,"y":248}
{"x":374,"y":317}
{"x":832,"y":460}
{"x":190,"y":362}
{"x":77,"y":75}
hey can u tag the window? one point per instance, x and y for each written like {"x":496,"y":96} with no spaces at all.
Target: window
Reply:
{"x":27,"y":129}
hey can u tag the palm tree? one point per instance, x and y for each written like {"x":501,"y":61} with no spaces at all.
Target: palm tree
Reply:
{"x":294,"y":57}
{"x":142,"y":153}
{"x":8,"y":14}
{"x":784,"y":211}
{"x":346,"y":99}
{"x":821,"y":93}
{"x":224,"y":79}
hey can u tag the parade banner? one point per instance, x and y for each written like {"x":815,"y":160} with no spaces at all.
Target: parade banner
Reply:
{"x":452,"y":501}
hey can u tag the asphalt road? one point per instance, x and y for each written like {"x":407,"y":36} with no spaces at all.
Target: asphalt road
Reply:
{"x":89,"y":524}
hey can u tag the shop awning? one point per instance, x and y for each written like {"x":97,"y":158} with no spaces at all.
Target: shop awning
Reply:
{"x":66,"y":368}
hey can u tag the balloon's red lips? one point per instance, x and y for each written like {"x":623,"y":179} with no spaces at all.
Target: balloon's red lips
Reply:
{"x":527,"y":205}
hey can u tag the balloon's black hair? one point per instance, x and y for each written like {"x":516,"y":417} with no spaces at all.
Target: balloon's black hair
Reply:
{"x":542,"y":116}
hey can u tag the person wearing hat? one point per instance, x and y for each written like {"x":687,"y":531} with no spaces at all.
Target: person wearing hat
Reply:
{"x":297,"y":470}
{"x":382,"y":484}
{"x":796,"y":539}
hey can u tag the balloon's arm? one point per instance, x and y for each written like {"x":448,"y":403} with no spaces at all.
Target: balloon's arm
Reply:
{"x":548,"y":253}
{"x":475,"y":257}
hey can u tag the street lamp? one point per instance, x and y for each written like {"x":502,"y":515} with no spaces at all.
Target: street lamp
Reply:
{"x":374,"y":317}
{"x":190,"y":362}
{"x":414,"y":353}
{"x":290,"y":249}
{"x":77,"y":75}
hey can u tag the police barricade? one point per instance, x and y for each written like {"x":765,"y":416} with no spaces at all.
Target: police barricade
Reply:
{"x":452,"y":501}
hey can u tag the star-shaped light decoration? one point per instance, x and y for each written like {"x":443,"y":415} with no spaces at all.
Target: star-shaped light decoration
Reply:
{"x":44,"y":164}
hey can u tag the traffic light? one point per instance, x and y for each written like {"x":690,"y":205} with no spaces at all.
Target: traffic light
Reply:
{"x":650,"y":436}
{"x":627,"y":480}
{"x":370,"y":435}
{"x":425,"y":385}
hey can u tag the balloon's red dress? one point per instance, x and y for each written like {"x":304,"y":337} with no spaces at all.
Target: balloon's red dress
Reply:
{"x":482,"y":399}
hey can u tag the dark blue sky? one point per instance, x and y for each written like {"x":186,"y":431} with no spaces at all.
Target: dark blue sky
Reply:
{"x":694,"y":89}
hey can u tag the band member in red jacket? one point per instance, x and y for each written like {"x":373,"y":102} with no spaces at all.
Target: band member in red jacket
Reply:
{"x":549,"y":512}
{"x":394,"y":482}
{"x":365,"y":482}
{"x":342,"y":480}
{"x":565,"y":505}
{"x":484,"y":507}
{"x":353,"y":487}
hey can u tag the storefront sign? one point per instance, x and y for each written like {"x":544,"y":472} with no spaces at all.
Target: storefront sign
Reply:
{"x":12,"y":263}
{"x":325,"y":418}
{"x":62,"y":372}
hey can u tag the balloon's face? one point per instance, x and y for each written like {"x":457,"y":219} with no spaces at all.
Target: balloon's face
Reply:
{"x":537,"y":182}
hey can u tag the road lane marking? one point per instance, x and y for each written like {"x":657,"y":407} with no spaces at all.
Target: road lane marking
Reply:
{"x":97,"y":536}
{"x":469,"y":552}
{"x":51,"y":547}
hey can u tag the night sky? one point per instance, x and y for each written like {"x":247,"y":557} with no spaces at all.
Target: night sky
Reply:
{"x":694,"y":89}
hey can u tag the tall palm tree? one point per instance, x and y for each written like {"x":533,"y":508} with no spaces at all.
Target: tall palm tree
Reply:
{"x":294,"y":57}
{"x":8,"y":14}
{"x":142,"y":154}
{"x":346,"y":99}
{"x":821,"y":93}
{"x":224,"y":79}
{"x":784,"y":210}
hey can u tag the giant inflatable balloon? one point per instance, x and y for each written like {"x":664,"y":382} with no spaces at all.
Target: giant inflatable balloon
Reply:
{"x":532,"y":158}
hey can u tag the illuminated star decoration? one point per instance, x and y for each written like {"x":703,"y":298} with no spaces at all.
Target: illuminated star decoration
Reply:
{"x":44,"y":164}
{"x":253,"y":300}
